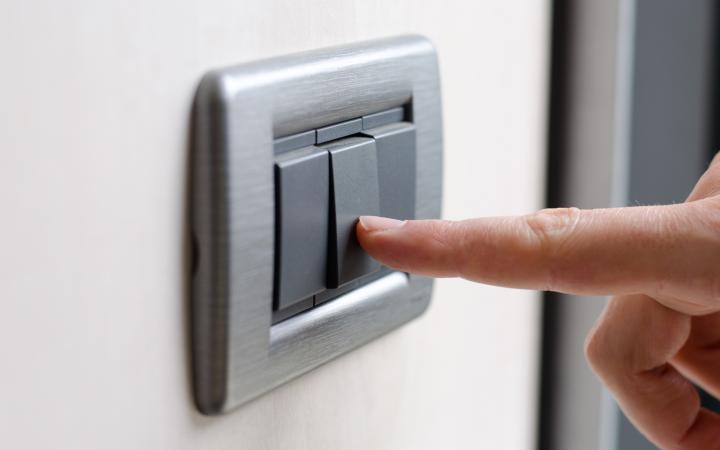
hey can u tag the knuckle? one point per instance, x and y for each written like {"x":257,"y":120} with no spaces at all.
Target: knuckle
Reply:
{"x":596,"y":349}
{"x":549,"y":233}
{"x":551,"y":227}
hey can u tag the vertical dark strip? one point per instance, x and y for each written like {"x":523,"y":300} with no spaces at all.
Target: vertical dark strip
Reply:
{"x":707,"y":400}
{"x":714,"y":124}
{"x":556,"y":157}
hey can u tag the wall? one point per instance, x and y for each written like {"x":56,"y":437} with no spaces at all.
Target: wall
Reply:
{"x":94,"y":128}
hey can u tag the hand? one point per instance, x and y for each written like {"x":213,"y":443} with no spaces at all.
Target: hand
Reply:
{"x":660,"y":331}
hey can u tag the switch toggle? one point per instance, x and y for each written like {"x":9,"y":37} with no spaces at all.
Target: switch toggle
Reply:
{"x":354,"y":192}
{"x":302,"y":187}
{"x":395,"y":145}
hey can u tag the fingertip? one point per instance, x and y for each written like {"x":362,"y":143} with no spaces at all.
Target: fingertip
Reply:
{"x":372,"y":224}
{"x":416,"y":246}
{"x":375,"y":236}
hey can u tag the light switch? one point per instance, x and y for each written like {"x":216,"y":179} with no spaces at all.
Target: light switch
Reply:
{"x":302,"y":189}
{"x":395,"y":145}
{"x":354,"y":181}
{"x":262,"y":311}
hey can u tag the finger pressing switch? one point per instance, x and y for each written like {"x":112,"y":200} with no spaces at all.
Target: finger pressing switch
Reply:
{"x":354,"y":192}
{"x":302,"y":186}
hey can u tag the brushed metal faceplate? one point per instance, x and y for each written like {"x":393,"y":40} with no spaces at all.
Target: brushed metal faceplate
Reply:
{"x":237,"y":353}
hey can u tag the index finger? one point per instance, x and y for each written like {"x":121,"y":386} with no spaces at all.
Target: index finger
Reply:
{"x":654,"y":250}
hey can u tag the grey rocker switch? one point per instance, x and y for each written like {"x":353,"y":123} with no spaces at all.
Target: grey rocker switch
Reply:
{"x":354,"y":187}
{"x":396,"y":169}
{"x":302,"y":208}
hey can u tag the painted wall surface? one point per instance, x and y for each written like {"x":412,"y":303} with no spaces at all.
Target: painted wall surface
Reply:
{"x":94,"y":108}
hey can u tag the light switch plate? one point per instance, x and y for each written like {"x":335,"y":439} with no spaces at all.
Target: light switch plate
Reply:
{"x":239,"y":111}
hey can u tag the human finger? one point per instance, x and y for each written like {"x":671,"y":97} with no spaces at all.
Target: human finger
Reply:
{"x":630,"y":349}
{"x":699,"y":358}
{"x":653,"y":250}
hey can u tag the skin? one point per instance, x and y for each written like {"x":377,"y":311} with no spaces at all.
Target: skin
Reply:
{"x":660,"y":332}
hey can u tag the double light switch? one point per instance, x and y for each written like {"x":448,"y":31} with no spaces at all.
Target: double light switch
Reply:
{"x":365,"y":166}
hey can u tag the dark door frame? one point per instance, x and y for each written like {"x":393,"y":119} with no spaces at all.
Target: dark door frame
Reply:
{"x":633,"y":105}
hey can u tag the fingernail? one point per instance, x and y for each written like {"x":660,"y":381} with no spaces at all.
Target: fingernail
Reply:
{"x":374,"y":223}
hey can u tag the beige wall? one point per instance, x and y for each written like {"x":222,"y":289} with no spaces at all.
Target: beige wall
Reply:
{"x":94,"y":104}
